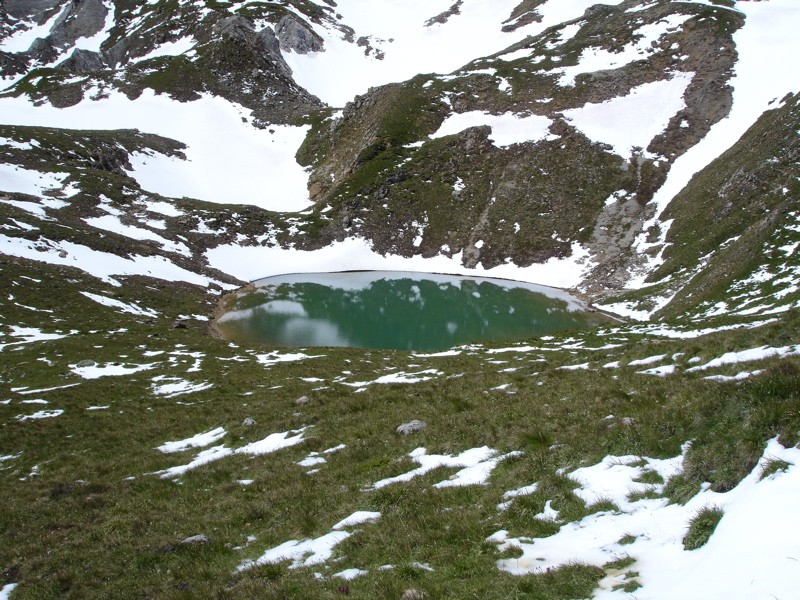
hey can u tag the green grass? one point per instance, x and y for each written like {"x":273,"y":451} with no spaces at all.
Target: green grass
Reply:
{"x":81,"y":526}
{"x":772,"y":466}
{"x":701,"y":527}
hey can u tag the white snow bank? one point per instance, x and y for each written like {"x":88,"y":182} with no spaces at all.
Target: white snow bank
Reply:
{"x":507,"y":128}
{"x":175,"y":386}
{"x":19,"y":180}
{"x":113,"y":224}
{"x":350,"y":574}
{"x":304,"y":553}
{"x":753,"y":553}
{"x":358,"y":518}
{"x":312,"y":552}
{"x":635,"y":119}
{"x":133,"y":308}
{"x":5,"y":593}
{"x":397,"y":29}
{"x":275,"y":357}
{"x":98,"y":264}
{"x":109,"y":370}
{"x":477,"y":463}
{"x":174,"y":48}
{"x":355,"y":254}
{"x":400,"y":377}
{"x":196,"y":441}
{"x":761,"y":353}
{"x":42,"y":414}
{"x":29,"y":335}
{"x":228,"y":160}
{"x":271,"y":443}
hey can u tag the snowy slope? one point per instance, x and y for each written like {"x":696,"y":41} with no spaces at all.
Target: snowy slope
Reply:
{"x":231,"y":161}
{"x":409,"y":46}
{"x":762,"y":77}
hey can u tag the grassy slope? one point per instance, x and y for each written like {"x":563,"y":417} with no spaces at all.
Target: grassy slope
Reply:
{"x":94,"y":523}
{"x":749,"y":193}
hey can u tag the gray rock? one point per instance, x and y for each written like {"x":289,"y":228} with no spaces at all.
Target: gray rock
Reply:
{"x":195,"y":540}
{"x":82,"y":62}
{"x":42,"y":50}
{"x":264,"y":45}
{"x":86,"y":363}
{"x":413,"y":594}
{"x":414,"y":426}
{"x":83,"y":18}
{"x":119,"y":52}
{"x":271,"y":46}
{"x":302,"y":400}
{"x":235,"y":27}
{"x":295,"y":36}
{"x":38,"y":10}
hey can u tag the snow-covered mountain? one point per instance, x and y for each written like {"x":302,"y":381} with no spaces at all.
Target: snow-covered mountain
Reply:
{"x":541,"y":141}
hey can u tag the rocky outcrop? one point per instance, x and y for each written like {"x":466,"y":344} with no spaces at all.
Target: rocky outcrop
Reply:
{"x":527,"y":202}
{"x":442,"y":18}
{"x":295,"y":35}
{"x":82,"y":19}
{"x":82,"y":62}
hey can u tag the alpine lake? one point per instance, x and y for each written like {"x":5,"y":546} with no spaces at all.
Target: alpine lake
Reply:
{"x":395,"y":310}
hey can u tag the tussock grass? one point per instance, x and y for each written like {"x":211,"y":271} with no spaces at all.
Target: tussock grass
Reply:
{"x":701,"y":527}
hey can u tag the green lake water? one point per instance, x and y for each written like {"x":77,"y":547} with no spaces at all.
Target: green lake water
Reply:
{"x":395,"y":310}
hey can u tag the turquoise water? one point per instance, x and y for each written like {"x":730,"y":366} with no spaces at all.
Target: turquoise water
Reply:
{"x":395,"y":310}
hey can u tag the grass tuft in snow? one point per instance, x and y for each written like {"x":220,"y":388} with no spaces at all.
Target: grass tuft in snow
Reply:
{"x":702,"y":527}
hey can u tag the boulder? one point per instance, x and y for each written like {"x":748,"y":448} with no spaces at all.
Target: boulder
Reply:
{"x":414,"y":426}
{"x":195,"y":540}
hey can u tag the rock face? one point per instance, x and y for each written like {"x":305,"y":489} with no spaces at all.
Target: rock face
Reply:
{"x":82,"y":62}
{"x":442,"y":18}
{"x":465,"y":194}
{"x":296,"y":36}
{"x":81,"y":19}
{"x":231,"y":58}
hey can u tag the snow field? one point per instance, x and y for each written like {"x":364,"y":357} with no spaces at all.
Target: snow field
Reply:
{"x":99,"y":264}
{"x":632,"y":121}
{"x":751,"y":554}
{"x":258,"y":167}
{"x":397,"y":28}
{"x":253,"y":262}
